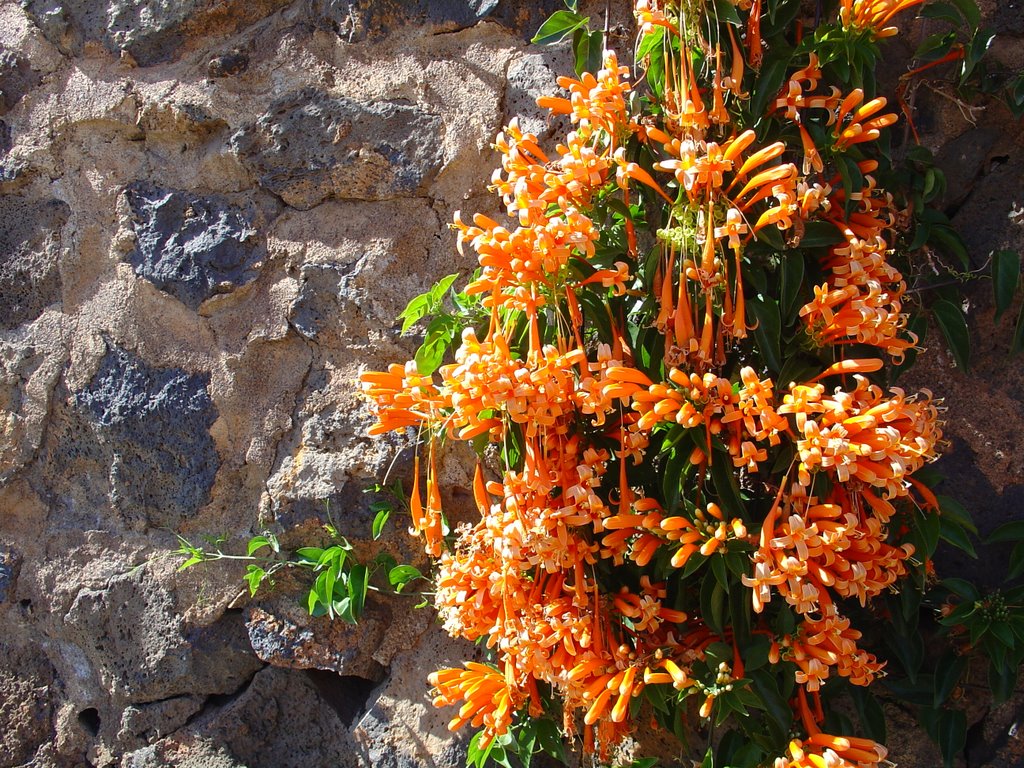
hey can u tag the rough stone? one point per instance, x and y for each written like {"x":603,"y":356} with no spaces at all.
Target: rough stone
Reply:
{"x":311,"y":146}
{"x":283,"y":634}
{"x":25,"y":704}
{"x":10,"y":565}
{"x":149,"y":32}
{"x":30,"y":246}
{"x":16,"y":78}
{"x":192,"y":246}
{"x":374,"y":19}
{"x":129,"y":634}
{"x":136,"y":442}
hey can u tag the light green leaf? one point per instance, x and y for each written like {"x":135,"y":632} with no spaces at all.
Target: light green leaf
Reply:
{"x":558,"y":26}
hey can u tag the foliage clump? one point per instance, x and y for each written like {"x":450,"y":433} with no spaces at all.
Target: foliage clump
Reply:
{"x":675,"y":360}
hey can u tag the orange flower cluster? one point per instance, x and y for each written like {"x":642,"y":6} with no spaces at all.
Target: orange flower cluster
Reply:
{"x":539,"y":578}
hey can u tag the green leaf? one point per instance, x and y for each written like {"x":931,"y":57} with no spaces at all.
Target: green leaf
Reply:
{"x":1016,"y":565}
{"x":948,"y":240}
{"x":309,"y":555}
{"x":935,"y":46}
{"x":953,"y":324}
{"x":1002,"y":679}
{"x":952,"y":509}
{"x":440,"y":334}
{"x":942,"y":10}
{"x":254,"y":576}
{"x":255,"y":544}
{"x":773,"y":75}
{"x":718,"y":569}
{"x":713,"y":604}
{"x":558,"y":25}
{"x":726,"y":485}
{"x":950,"y":531}
{"x":358,"y":584}
{"x":952,"y":732}
{"x":852,"y":178}
{"x":379,"y":521}
{"x":401,"y":575}
{"x":870,"y":713}
{"x":650,"y":42}
{"x":947,"y":674}
{"x":726,"y":12}
{"x":969,"y":8}
{"x":962,"y":588}
{"x":1012,"y":531}
{"x":1005,"y":277}
{"x":193,"y":560}
{"x":975,"y":51}
{"x":818,"y":234}
{"x":792,"y":282}
{"x":768,"y":331}
{"x":588,"y":50}
{"x":1018,"y":334}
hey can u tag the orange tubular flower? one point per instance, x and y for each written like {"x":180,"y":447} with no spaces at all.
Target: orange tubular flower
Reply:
{"x":873,"y":15}
{"x":489,"y":698}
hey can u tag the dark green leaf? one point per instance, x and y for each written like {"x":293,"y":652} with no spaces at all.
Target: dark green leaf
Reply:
{"x":558,"y":25}
{"x":1016,"y":565}
{"x":950,"y":531}
{"x":942,"y":10}
{"x":768,"y":331}
{"x":1005,"y":277}
{"x":951,"y":321}
{"x":712,"y":604}
{"x":1018,"y":333}
{"x":726,"y":12}
{"x":952,"y":733}
{"x":772,"y":76}
{"x":962,"y":588}
{"x":726,"y":486}
{"x":935,"y":46}
{"x":718,"y":569}
{"x":955,"y":511}
{"x":792,"y":282}
{"x":1002,"y":679}
{"x":870,"y":713}
{"x":1012,"y":531}
{"x":969,"y":8}
{"x":950,"y":242}
{"x":947,"y":675}
{"x":820,"y":233}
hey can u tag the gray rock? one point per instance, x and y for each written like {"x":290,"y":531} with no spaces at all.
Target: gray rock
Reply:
{"x":150,"y":31}
{"x":16,"y":78}
{"x":311,"y":146}
{"x":282,"y":633}
{"x":192,"y":246}
{"x":24,"y":704}
{"x":143,"y":652}
{"x":30,"y":244}
{"x":280,"y":719}
{"x":135,"y":440}
{"x":376,"y":18}
{"x":10,"y":565}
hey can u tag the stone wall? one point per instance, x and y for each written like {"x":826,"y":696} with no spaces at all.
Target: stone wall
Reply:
{"x":210,"y":214}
